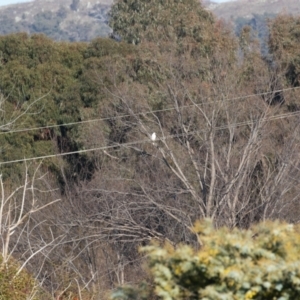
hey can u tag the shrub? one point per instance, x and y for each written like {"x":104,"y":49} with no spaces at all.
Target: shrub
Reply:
{"x":18,"y":287}
{"x":260,"y":263}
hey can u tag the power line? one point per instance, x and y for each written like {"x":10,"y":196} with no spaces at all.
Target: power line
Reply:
{"x":240,"y":124}
{"x":143,"y":113}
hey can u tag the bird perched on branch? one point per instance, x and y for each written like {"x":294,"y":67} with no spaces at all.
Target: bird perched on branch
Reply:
{"x":153,"y":138}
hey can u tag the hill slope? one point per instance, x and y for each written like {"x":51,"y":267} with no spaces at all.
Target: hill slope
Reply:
{"x":83,"y":20}
{"x":61,"y":20}
{"x":247,"y":8}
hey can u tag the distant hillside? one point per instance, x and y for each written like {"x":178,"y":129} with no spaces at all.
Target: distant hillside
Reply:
{"x":74,"y":20}
{"x":254,"y":13}
{"x":248,"y":8}
{"x":83,"y":20}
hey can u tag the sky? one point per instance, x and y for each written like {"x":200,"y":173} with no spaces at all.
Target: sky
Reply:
{"x":6,"y":2}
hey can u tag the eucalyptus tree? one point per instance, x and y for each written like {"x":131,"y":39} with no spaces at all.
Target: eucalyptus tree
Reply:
{"x":137,"y":21}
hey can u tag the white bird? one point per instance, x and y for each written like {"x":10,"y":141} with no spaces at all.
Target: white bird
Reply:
{"x":153,"y":138}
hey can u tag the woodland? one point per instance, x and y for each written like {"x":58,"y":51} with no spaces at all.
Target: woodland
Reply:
{"x":83,"y":186}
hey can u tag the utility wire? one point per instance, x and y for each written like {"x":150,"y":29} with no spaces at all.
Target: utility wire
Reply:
{"x":143,"y":113}
{"x":240,"y":124}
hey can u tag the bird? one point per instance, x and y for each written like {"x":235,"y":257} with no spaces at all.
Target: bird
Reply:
{"x":153,"y":138}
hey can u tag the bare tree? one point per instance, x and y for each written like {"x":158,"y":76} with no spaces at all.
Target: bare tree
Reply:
{"x":15,"y":213}
{"x":213,"y":156}
{"x":222,"y":149}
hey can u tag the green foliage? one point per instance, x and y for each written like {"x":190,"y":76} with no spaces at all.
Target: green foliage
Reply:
{"x":284,"y":46}
{"x":39,"y":80}
{"x":132,"y":293}
{"x":18,"y":287}
{"x":261,"y":263}
{"x":142,"y":20}
{"x":58,"y":81}
{"x":101,"y":56}
{"x":175,"y":37}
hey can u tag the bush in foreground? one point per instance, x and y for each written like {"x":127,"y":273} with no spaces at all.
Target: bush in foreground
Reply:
{"x":260,"y":263}
{"x":18,"y":287}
